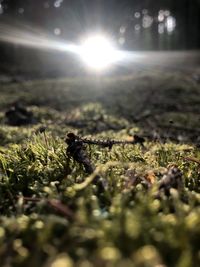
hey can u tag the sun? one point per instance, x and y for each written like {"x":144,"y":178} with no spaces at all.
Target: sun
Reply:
{"x":98,"y":52}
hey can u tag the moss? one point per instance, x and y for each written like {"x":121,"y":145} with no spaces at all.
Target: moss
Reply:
{"x":52,"y":212}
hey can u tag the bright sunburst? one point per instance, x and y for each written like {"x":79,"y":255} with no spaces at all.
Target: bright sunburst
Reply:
{"x":98,"y":52}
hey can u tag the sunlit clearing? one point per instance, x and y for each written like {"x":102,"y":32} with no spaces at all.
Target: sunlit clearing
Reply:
{"x":98,"y":52}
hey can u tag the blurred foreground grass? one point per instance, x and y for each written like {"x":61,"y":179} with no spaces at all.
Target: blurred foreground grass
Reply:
{"x":71,"y":223}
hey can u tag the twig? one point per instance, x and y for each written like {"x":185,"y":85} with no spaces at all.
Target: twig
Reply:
{"x":171,"y":179}
{"x":63,"y":209}
{"x":54,"y":203}
{"x":76,"y":149}
{"x":108,"y":143}
{"x":192,"y":160}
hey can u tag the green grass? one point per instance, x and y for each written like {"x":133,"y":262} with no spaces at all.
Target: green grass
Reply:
{"x":124,"y":225}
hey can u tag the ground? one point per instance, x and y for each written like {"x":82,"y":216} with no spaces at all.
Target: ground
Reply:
{"x":54,"y":213}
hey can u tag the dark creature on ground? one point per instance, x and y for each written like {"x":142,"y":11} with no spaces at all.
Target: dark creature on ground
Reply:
{"x":77,"y":150}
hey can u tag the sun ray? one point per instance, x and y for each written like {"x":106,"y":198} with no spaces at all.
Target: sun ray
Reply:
{"x":97,"y":51}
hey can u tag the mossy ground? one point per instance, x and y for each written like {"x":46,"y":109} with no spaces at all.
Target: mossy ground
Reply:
{"x":124,"y":225}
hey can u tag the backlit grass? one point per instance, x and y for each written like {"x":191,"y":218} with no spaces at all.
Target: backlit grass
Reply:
{"x":52,"y":213}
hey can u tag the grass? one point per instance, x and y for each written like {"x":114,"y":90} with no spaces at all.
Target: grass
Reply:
{"x":52,"y":212}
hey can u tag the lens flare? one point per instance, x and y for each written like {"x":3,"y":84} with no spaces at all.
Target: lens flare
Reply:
{"x":98,"y":52}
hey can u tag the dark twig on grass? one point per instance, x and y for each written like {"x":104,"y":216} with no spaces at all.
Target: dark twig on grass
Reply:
{"x":171,"y":179}
{"x":76,"y":149}
{"x":53,"y":203}
{"x":192,"y":160}
{"x":197,"y":161}
{"x":107,"y":143}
